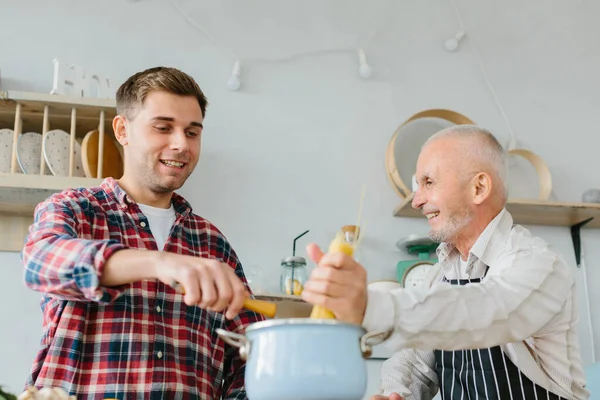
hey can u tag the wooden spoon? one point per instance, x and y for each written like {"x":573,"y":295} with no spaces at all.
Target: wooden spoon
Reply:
{"x":266,"y":308}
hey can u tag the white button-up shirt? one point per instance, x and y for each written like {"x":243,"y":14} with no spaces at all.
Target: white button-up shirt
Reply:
{"x":526,"y":304}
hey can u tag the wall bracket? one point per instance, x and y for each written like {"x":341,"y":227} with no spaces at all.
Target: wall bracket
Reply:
{"x":576,"y":236}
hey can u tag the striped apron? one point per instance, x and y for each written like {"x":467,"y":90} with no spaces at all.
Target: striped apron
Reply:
{"x":483,"y":373}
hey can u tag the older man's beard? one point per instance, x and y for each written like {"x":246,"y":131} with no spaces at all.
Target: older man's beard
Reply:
{"x":452,"y":227}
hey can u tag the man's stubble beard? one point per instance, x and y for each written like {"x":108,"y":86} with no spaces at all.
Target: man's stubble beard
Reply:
{"x":452,"y":228}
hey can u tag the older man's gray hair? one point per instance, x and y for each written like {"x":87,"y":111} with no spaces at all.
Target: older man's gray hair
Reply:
{"x":483,"y":149}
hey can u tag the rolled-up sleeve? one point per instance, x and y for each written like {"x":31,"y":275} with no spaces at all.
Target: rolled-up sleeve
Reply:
{"x":57,"y":262}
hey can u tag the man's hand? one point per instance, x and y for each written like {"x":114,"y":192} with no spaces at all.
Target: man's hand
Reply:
{"x":393,"y":396}
{"x":207,"y":283}
{"x":338,"y":283}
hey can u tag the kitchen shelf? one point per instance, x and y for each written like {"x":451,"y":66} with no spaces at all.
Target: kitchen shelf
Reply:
{"x":287,"y":306}
{"x":279,"y":297}
{"x":20,"y":193}
{"x":40,"y":112}
{"x":60,"y":110}
{"x":531,"y":212}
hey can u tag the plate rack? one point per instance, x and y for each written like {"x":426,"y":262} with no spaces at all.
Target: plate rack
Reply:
{"x":40,"y":112}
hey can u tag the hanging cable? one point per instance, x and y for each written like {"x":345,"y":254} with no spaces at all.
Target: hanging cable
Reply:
{"x":311,"y":53}
{"x":513,"y":141}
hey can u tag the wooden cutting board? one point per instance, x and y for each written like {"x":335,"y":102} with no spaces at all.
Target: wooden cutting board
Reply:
{"x":112,"y":161}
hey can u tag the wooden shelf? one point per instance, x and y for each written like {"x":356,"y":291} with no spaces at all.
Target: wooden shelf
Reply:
{"x":287,"y":306}
{"x":20,"y":193}
{"x":40,"y":112}
{"x":59,"y":108}
{"x":531,"y":212}
{"x":278,"y":297}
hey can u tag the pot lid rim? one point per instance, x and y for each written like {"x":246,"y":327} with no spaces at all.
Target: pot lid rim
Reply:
{"x":300,"y":321}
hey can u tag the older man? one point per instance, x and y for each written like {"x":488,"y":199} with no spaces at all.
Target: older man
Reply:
{"x":497,"y":317}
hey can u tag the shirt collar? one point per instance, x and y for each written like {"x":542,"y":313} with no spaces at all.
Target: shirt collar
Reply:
{"x":112,"y":189}
{"x":489,"y":245}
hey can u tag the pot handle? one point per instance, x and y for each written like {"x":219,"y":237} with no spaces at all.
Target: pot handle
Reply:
{"x":370,"y":339}
{"x":236,"y":340}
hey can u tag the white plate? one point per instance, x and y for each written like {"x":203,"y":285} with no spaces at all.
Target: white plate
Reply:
{"x":411,"y":138}
{"x":6,"y":144}
{"x":56,"y":153}
{"x":29,"y":152}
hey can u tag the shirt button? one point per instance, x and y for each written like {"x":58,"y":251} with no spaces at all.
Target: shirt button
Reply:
{"x":143,"y":224}
{"x":158,"y":308}
{"x":159,"y":354}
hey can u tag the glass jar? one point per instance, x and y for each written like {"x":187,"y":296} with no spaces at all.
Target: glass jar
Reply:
{"x":293,"y":275}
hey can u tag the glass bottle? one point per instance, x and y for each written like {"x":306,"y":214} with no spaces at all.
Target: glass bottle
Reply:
{"x":351,"y":235}
{"x":293,"y":275}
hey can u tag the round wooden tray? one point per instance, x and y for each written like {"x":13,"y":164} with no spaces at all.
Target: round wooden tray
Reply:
{"x":414,"y":137}
{"x":112,"y":161}
{"x":543,"y":172}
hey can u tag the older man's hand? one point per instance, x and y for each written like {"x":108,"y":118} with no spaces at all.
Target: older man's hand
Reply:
{"x":338,"y":283}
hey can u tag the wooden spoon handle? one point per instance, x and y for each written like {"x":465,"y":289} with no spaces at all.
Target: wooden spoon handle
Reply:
{"x":266,"y":308}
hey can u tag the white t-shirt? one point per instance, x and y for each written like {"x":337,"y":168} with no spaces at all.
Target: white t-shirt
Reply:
{"x":161,"y":220}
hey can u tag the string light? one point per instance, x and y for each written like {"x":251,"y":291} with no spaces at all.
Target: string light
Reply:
{"x":452,"y":43}
{"x":233,"y":83}
{"x":364,"y":70}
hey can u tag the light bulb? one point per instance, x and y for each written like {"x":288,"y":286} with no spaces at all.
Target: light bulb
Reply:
{"x":364,"y":70}
{"x":452,"y":43}
{"x":234,"y":83}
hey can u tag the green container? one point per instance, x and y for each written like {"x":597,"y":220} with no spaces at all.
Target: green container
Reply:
{"x":426,"y":257}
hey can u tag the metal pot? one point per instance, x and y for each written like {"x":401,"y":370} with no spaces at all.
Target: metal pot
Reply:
{"x":304,"y":359}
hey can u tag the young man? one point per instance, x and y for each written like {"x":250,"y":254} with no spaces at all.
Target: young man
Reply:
{"x":497,"y":317}
{"x":106,"y":260}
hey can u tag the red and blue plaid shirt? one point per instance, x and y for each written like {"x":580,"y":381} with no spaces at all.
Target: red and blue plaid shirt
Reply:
{"x":136,"y":341}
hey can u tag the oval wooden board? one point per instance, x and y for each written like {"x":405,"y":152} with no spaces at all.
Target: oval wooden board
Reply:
{"x":404,"y":147}
{"x":112,"y":161}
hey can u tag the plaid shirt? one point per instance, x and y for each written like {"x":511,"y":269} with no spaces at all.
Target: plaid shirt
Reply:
{"x":136,"y":341}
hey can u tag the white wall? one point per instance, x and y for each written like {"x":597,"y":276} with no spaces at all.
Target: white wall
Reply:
{"x":291,"y":150}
